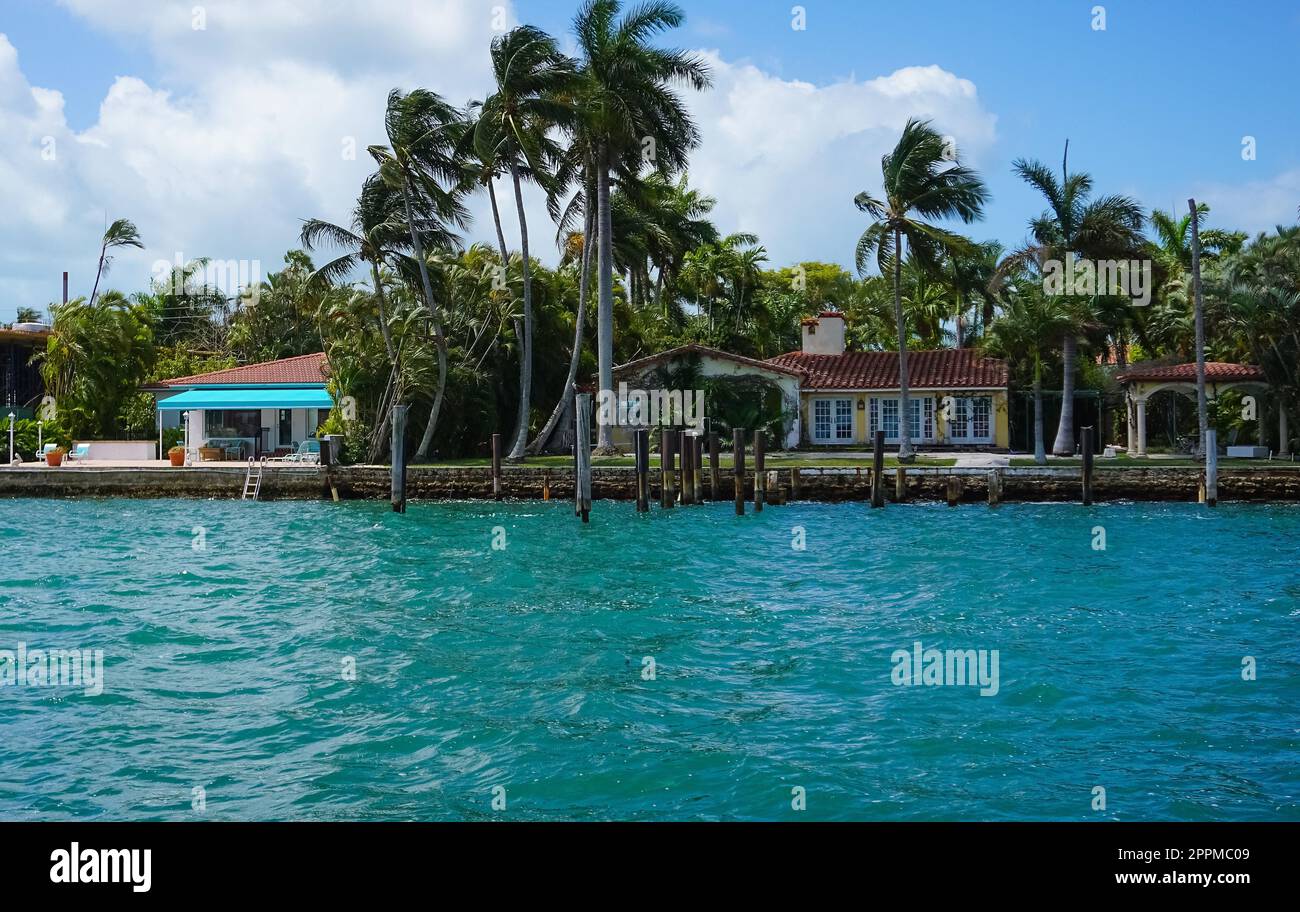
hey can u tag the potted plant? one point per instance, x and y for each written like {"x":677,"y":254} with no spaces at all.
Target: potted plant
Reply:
{"x":55,"y":457}
{"x":177,"y":455}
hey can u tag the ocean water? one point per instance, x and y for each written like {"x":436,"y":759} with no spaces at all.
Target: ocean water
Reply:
{"x":687,"y":664}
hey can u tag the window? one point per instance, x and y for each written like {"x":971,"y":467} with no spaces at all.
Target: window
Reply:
{"x":980,"y":419}
{"x":832,"y":420}
{"x":843,"y":419}
{"x":971,"y":420}
{"x":889,"y":418}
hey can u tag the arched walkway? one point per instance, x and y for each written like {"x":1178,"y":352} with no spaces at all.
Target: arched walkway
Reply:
{"x":1142,"y":381}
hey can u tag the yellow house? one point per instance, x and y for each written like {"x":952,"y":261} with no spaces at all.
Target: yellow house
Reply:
{"x":956,"y":396}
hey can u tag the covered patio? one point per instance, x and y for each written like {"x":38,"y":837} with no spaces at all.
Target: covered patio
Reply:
{"x":247,"y":412}
{"x":1142,"y":381}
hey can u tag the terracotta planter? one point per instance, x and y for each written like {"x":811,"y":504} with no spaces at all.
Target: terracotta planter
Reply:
{"x":54,"y":459}
{"x":178,"y":459}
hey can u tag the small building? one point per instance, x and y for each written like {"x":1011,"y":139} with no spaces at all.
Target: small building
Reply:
{"x":1143,"y":380}
{"x":700,"y":364}
{"x":21,"y":388}
{"x":250,"y":411}
{"x":957,"y":397}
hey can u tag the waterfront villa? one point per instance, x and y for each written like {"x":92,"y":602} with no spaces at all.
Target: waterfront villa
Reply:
{"x":957,"y":397}
{"x":837,"y":398}
{"x":249,"y":411}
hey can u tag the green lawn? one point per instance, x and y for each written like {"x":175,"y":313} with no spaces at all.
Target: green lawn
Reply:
{"x":774,"y":461}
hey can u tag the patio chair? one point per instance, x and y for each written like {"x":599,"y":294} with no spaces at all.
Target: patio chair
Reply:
{"x":307,"y":453}
{"x":80,"y":451}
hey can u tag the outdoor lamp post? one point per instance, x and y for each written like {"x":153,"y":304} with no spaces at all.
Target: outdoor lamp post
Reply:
{"x":12,"y":416}
{"x":40,"y":435}
{"x":185,"y":427}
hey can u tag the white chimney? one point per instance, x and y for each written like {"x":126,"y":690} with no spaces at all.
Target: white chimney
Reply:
{"x":824,"y":334}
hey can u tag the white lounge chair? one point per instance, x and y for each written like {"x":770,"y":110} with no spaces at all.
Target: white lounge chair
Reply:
{"x":80,"y":451}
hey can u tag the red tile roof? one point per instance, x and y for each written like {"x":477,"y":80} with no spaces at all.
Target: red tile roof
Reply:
{"x":959,"y":368}
{"x":302,"y":369}
{"x":1220,"y":371}
{"x":703,"y":350}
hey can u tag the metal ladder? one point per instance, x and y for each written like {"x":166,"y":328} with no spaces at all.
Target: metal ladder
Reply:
{"x":253,"y":480}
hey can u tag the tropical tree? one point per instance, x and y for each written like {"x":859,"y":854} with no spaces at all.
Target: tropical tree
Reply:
{"x":922,"y":179}
{"x":513,"y":129}
{"x":122,"y":233}
{"x":1075,"y":224}
{"x":422,"y":162}
{"x":1029,"y":326}
{"x":629,"y":111}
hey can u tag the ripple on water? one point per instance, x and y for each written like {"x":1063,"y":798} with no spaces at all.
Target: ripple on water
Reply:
{"x":337,"y":661}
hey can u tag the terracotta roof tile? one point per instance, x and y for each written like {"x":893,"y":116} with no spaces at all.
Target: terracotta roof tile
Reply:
{"x":302,"y":369}
{"x":697,"y":349}
{"x":1214,"y":370}
{"x":942,"y":369}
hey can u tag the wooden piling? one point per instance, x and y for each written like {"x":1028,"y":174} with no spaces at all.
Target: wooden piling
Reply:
{"x":878,"y":470}
{"x":697,"y":453}
{"x":900,"y":485}
{"x":1085,"y":448}
{"x":641,"y":445}
{"x":794,"y":484}
{"x":399,"y":458}
{"x":738,"y":467}
{"x":582,"y":443}
{"x":667,"y":491}
{"x":715,"y":460}
{"x":546,"y":484}
{"x":496,"y":466}
{"x":760,"y":473}
{"x":686,"y":442}
{"x":995,"y":488}
{"x":1211,"y":467}
{"x":955,"y":487}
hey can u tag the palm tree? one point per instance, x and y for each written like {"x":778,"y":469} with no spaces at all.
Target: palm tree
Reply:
{"x":422,"y":162}
{"x":628,"y":109}
{"x":512,"y":128}
{"x":1074,"y":224}
{"x":921,"y":180}
{"x":1030,"y":324}
{"x":122,"y":233}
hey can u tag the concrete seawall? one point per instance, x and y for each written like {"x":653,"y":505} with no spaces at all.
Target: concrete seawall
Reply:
{"x":1152,"y":483}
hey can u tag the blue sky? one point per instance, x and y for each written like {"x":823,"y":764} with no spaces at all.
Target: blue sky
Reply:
{"x":217,"y":142}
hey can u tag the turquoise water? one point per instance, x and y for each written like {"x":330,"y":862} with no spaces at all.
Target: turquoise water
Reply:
{"x":524,"y":667}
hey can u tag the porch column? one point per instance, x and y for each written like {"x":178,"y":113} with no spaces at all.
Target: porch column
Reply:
{"x":1132,"y":428}
{"x":1284,"y":443}
{"x":1142,"y":427}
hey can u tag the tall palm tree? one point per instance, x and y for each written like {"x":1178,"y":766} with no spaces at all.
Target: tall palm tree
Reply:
{"x":122,"y":233}
{"x":1029,"y":326}
{"x":921,"y":180}
{"x":422,"y":162}
{"x":1075,"y":224}
{"x":512,"y":128}
{"x":628,"y":108}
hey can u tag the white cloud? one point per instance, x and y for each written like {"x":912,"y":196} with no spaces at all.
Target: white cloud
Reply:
{"x":1254,"y":206}
{"x":785,"y":158}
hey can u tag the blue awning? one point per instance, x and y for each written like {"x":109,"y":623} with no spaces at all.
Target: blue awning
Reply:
{"x":248,"y":398}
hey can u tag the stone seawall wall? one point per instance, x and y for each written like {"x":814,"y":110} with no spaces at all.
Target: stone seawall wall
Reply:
{"x":822,"y":484}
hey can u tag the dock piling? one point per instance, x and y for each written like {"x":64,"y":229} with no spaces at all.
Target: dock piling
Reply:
{"x":900,"y":484}
{"x":738,"y":467}
{"x":496,"y":466}
{"x":760,"y":473}
{"x":697,"y":454}
{"x":878,"y":470}
{"x":688,"y":468}
{"x":667,"y":492}
{"x":582,"y":445}
{"x":641,"y":444}
{"x":399,"y":458}
{"x":995,"y":488}
{"x":1085,"y":448}
{"x":714,"y":463}
{"x":955,"y":487}
{"x":1211,"y":467}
